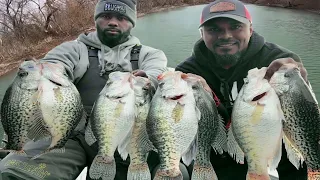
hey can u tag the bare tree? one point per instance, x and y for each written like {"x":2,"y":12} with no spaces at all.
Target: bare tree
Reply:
{"x":45,"y":12}
{"x":13,"y":15}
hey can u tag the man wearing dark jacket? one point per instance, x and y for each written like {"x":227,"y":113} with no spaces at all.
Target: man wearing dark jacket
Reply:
{"x":88,"y":61}
{"x":228,"y":49}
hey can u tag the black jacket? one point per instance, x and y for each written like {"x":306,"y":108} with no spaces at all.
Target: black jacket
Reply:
{"x":258,"y":54}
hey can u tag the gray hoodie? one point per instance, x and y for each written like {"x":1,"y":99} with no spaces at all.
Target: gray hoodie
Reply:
{"x":74,"y":55}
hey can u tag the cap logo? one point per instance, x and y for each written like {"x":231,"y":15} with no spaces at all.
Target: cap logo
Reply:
{"x":115,"y":7}
{"x":222,"y":6}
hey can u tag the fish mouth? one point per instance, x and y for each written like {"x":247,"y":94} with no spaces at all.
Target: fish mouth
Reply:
{"x":58,"y":84}
{"x":114,"y":97}
{"x":258,"y":97}
{"x":176,"y":97}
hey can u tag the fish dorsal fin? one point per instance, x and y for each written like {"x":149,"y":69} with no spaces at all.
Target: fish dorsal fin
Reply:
{"x":37,"y":129}
{"x":273,"y":163}
{"x":312,"y":92}
{"x":306,"y":91}
{"x":145,"y":141}
{"x":294,"y":155}
{"x":198,"y":113}
{"x":233,"y":147}
{"x":123,"y":147}
{"x":191,"y":152}
{"x":88,"y":135}
{"x":220,"y":142}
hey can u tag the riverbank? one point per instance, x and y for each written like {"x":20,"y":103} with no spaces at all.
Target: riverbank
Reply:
{"x":49,"y":43}
{"x":313,"y":7}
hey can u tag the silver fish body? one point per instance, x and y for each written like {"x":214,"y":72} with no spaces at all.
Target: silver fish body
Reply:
{"x":140,"y":144}
{"x":111,"y":120}
{"x":302,"y":118}
{"x":211,"y":133}
{"x":18,"y":108}
{"x":256,"y":127}
{"x":60,"y":109}
{"x":172,"y":123}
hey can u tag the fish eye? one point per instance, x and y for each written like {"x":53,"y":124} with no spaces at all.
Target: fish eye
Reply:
{"x":108,"y":83}
{"x":245,"y":80}
{"x":22,"y":74}
{"x":195,"y":87}
{"x":287,"y":75}
{"x":58,"y":84}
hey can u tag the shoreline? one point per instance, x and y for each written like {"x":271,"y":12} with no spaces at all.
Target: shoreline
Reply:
{"x":9,"y":67}
{"x":278,"y":5}
{"x":6,"y":68}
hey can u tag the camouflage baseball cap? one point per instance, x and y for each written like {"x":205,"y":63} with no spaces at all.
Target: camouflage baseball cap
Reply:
{"x":233,"y":9}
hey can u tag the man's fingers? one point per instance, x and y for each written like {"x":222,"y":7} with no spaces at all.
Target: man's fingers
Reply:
{"x":201,"y":79}
{"x":139,"y":73}
{"x":276,"y":65}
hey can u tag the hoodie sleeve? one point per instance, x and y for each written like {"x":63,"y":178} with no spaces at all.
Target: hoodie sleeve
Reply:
{"x":153,"y":62}
{"x":73,"y":55}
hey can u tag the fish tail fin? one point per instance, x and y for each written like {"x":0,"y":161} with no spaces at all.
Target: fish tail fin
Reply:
{"x":138,"y":171}
{"x":171,"y":174}
{"x":103,"y":166}
{"x":293,"y":153}
{"x":203,"y":172}
{"x":254,"y":176}
{"x":313,"y":175}
{"x":220,"y":143}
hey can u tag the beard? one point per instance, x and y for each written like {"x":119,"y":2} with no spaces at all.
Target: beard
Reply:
{"x":227,"y":60}
{"x":112,"y":40}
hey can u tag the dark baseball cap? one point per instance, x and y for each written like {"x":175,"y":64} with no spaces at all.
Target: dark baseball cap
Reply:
{"x":233,"y":9}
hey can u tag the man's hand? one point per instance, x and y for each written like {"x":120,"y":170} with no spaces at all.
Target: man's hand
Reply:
{"x":276,"y":64}
{"x":56,"y":72}
{"x":139,"y":73}
{"x":201,"y":79}
{"x":206,"y":87}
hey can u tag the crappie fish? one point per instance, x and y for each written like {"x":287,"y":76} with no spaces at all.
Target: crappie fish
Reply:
{"x":256,"y":126}
{"x":302,"y":118}
{"x":172,"y":124}
{"x":18,"y":108}
{"x":211,"y":132}
{"x":111,"y":120}
{"x":60,"y":108}
{"x":140,"y":144}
